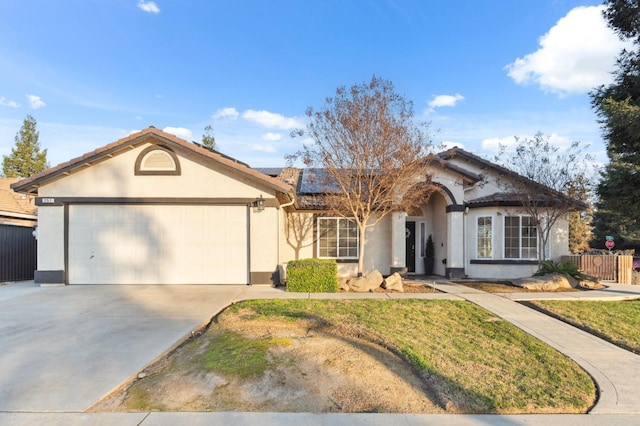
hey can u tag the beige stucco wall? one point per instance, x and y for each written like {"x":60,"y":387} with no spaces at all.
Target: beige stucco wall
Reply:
{"x":264,"y":240}
{"x":51,"y":238}
{"x":299,"y":243}
{"x":115,"y":177}
{"x":297,"y":238}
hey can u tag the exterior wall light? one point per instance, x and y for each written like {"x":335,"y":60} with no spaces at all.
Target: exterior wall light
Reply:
{"x":259,"y":203}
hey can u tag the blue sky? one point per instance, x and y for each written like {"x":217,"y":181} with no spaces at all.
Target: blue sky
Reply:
{"x":481,"y":71}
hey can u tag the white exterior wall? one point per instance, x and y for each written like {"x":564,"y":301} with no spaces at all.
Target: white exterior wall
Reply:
{"x":558,"y":240}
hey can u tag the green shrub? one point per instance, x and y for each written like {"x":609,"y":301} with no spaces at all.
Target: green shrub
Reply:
{"x":312,"y":275}
{"x":567,"y":268}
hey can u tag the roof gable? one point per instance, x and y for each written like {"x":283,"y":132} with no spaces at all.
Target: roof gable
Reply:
{"x":12,"y":202}
{"x":149,"y":135}
{"x":506,"y":197}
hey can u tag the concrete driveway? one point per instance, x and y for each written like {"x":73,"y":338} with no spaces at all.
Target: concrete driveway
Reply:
{"x":63,"y":348}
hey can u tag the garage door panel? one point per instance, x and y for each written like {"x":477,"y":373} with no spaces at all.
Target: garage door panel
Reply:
{"x":157,"y":244}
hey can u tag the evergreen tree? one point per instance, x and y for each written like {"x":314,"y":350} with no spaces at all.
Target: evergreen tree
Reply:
{"x":618,"y":108}
{"x":25,"y":159}
{"x":580,"y":228}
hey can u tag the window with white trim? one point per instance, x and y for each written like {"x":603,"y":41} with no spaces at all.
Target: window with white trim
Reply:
{"x":337,"y":238}
{"x":484,"y":237}
{"x":520,"y":237}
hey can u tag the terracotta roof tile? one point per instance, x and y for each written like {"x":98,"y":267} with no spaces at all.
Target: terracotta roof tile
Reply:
{"x":30,"y":184}
{"x":13,"y":202}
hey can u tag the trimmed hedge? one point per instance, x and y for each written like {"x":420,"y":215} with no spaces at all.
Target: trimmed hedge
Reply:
{"x":312,"y":276}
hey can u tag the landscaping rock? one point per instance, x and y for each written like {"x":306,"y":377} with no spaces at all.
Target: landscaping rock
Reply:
{"x":343,"y":283}
{"x":369,"y":282}
{"x":591,"y":285}
{"x":394,"y":282}
{"x":547,"y":282}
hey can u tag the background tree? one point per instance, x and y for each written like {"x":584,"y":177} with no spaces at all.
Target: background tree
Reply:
{"x":208,"y":139}
{"x":25,"y":159}
{"x":618,"y":109}
{"x":548,"y":181}
{"x":580,"y":226}
{"x":370,"y":153}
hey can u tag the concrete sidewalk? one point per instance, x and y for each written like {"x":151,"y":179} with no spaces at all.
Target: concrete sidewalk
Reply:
{"x":311,"y":419}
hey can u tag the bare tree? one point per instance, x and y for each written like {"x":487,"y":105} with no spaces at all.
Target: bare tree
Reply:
{"x":370,"y":153}
{"x":545,"y":179}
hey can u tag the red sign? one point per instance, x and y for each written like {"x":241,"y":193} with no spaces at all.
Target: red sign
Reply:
{"x":609,"y":244}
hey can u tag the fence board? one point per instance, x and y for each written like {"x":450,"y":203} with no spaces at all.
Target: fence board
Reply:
{"x":604,"y":267}
{"x":17,"y":253}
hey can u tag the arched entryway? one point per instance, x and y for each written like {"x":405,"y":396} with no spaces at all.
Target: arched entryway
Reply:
{"x":430,"y":219}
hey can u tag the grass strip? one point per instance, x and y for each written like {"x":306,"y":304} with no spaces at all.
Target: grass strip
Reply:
{"x":617,"y":322}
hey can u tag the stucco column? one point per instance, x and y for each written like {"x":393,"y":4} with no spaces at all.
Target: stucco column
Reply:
{"x":455,"y":242}
{"x":398,"y":243}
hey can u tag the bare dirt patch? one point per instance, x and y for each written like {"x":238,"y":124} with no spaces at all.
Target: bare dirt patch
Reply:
{"x":320,"y":369}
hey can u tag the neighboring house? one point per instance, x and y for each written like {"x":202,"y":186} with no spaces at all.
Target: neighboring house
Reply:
{"x":15,"y":208}
{"x":17,"y":237}
{"x":153,"y":208}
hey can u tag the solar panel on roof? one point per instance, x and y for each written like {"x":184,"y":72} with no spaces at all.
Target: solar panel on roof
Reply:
{"x":317,"y":181}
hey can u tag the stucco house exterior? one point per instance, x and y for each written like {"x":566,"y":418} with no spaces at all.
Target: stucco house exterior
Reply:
{"x":152,"y":208}
{"x":16,"y":209}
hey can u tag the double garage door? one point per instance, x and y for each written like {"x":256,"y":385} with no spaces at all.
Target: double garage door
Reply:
{"x":158,"y":244}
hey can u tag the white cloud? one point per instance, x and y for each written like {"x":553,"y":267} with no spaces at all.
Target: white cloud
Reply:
{"x":148,"y":6}
{"x":271,"y":119}
{"x":262,"y":147}
{"x":6,"y":102}
{"x":575,"y":56}
{"x":272,"y":136}
{"x":228,"y":112}
{"x":35,"y":101}
{"x":180,"y":132}
{"x":445,"y":101}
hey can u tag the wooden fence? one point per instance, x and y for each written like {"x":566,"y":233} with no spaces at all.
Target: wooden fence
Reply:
{"x":604,"y":267}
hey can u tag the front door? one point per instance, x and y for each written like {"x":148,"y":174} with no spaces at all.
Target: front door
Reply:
{"x":410,"y":233}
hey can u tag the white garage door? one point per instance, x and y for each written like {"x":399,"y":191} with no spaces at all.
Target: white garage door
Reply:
{"x":157,"y":244}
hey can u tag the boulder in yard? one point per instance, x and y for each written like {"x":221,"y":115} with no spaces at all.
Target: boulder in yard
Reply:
{"x":394,"y":282}
{"x":343,"y":283}
{"x":548,"y":282}
{"x":367,"y":283}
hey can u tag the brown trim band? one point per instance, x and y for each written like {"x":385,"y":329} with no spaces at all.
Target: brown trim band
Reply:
{"x":49,"y":277}
{"x":504,"y":262}
{"x":265,"y":277}
{"x":60,"y":201}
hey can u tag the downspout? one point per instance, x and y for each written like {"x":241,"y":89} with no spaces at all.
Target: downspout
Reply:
{"x":290,"y":203}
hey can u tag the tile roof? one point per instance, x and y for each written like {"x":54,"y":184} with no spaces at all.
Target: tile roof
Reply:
{"x":32,"y":183}
{"x":12,"y":202}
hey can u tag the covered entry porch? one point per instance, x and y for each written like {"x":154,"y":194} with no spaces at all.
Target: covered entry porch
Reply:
{"x":440,"y":217}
